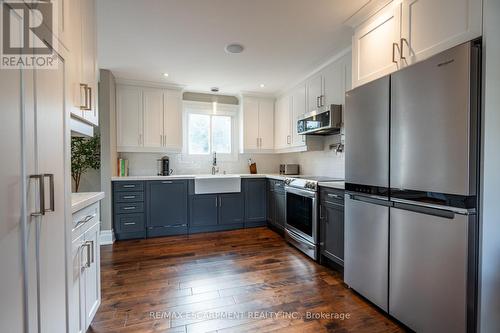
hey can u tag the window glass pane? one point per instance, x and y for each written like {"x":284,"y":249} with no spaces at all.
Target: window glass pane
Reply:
{"x":199,"y":134}
{"x":221,"y":134}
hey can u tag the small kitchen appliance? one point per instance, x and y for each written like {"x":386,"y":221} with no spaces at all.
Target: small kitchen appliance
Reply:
{"x":163,"y":166}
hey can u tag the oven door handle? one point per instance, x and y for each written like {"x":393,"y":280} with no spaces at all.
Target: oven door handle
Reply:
{"x":304,"y":193}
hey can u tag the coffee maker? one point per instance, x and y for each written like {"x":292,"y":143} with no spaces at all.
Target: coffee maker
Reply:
{"x":163,"y":166}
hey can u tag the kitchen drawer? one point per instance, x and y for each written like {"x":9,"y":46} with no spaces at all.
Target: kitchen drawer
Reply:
{"x":331,"y":195}
{"x":279,"y":186}
{"x":122,"y":186}
{"x":129,"y":196}
{"x":129,"y":208}
{"x":129,"y":222}
{"x":84,"y":219}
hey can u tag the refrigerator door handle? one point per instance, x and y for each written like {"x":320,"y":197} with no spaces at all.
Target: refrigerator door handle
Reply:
{"x":371,"y":199}
{"x":426,"y":210}
{"x":437,"y":210}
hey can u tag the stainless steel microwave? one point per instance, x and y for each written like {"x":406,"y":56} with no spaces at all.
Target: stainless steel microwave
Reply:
{"x":324,"y":123}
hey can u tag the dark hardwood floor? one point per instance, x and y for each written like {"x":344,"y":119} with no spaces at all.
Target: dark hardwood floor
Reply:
{"x":196,"y":283}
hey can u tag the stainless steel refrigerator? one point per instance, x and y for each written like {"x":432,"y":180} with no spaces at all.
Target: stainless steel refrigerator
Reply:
{"x":411,"y":179}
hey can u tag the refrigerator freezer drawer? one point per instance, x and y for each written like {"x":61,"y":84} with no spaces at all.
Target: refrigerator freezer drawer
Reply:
{"x":428,"y":271}
{"x":367,"y":249}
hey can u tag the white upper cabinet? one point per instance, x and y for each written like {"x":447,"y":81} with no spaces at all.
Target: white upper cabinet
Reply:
{"x":407,"y":31}
{"x":129,"y":117}
{"x":84,"y":72}
{"x":430,"y":26}
{"x":257,"y":126}
{"x":282,"y":120}
{"x":375,"y":45}
{"x":266,"y":124}
{"x":250,"y":110}
{"x":315,"y":93}
{"x":148,"y":119}
{"x":153,"y":117}
{"x":299,"y":107}
{"x":172,"y":120}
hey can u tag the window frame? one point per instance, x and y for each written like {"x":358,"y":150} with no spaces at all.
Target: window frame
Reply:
{"x":204,"y":108}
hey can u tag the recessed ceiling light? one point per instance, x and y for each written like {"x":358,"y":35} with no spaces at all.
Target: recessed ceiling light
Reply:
{"x":165,"y":74}
{"x":262,"y":85}
{"x":234,"y":48}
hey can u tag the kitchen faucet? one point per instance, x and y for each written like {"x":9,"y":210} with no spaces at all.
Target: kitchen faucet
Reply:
{"x":215,"y":168}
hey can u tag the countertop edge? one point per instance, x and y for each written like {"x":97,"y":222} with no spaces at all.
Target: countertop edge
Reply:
{"x":88,"y":198}
{"x":144,"y":178}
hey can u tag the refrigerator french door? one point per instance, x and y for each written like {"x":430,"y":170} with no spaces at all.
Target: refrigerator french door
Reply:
{"x":434,"y":140}
{"x":367,"y":187}
{"x":32,"y":209}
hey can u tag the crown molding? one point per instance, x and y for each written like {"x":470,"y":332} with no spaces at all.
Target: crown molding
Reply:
{"x":365,"y":12}
{"x":149,"y":84}
{"x":330,"y":60}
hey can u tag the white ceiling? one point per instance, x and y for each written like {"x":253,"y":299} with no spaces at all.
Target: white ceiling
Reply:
{"x":284,"y":40}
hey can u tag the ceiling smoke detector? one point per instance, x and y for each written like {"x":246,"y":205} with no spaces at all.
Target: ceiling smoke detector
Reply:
{"x":234,"y":48}
{"x":214,"y":89}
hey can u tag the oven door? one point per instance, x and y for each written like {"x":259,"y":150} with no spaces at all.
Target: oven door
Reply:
{"x":301,"y":213}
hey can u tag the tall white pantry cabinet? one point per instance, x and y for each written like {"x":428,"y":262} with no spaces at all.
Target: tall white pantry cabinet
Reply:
{"x":34,"y":195}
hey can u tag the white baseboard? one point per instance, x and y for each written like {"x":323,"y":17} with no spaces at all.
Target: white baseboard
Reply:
{"x":107,"y":237}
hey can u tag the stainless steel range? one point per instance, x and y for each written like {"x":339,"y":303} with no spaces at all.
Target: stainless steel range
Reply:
{"x":301,"y":226}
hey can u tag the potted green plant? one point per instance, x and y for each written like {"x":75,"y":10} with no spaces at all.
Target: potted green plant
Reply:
{"x":85,"y":155}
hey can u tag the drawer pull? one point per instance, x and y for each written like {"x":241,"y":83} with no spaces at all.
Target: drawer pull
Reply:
{"x":336,"y":196}
{"x":129,"y":208}
{"x":84,"y":220}
{"x":167,"y":182}
{"x":129,"y":223}
{"x":129,"y":197}
{"x":128,"y":186}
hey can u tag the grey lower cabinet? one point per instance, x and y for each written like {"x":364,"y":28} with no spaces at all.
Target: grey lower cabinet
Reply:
{"x":216,"y":212}
{"x":167,"y":207}
{"x":255,"y":202}
{"x":276,"y":208}
{"x":128,"y":210}
{"x":332,"y":224}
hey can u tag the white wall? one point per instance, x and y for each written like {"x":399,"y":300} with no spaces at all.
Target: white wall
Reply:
{"x":489,"y":298}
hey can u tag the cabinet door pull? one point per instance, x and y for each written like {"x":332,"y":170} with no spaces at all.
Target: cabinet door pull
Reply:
{"x":89,"y":107}
{"x":128,"y":186}
{"x":394,"y":46}
{"x":402,"y":41}
{"x":129,"y":223}
{"x":84,"y":88}
{"x":167,"y":182}
{"x":129,"y":197}
{"x":51,"y":193}
{"x":41,"y":197}
{"x":317,"y":102}
{"x":87,"y":245}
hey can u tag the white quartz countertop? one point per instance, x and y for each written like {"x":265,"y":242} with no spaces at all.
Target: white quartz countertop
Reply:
{"x":245,"y":175}
{"x":84,"y":199}
{"x":339,"y":185}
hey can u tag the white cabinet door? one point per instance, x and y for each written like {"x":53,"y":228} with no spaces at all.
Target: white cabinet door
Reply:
{"x":172,"y":120}
{"x":335,"y":82}
{"x":250,"y":123}
{"x":266,"y":124}
{"x":430,"y":27}
{"x":315,"y":93}
{"x":282,"y":121}
{"x":153,"y":117}
{"x":89,"y":66}
{"x":375,"y":46}
{"x":129,"y":117}
{"x":77,"y":287}
{"x":92,"y":274}
{"x":298,"y":110}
